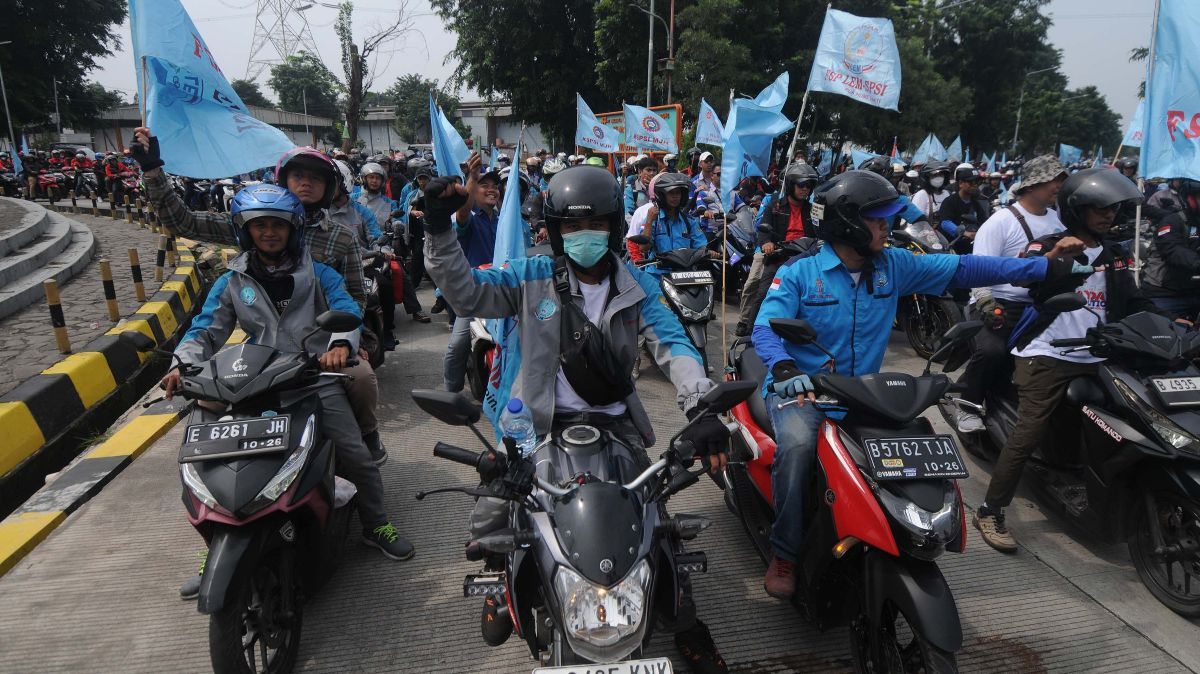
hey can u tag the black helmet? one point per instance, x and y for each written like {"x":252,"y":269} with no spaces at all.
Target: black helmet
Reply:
{"x":1098,"y":188}
{"x":933,"y":168}
{"x":666,"y":182}
{"x":966,"y":172}
{"x":1126,"y":163}
{"x":798,"y":173}
{"x":583,"y":191}
{"x":879,"y":165}
{"x":840,"y":204}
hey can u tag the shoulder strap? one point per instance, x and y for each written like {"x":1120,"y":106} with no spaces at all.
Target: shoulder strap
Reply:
{"x":562,"y":282}
{"x":1021,"y":219}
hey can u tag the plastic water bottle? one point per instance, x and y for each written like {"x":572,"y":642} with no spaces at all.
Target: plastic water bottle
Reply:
{"x":516,"y":422}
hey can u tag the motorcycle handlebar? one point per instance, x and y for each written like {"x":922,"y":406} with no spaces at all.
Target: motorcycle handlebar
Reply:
{"x":1069,"y":341}
{"x":456,"y":454}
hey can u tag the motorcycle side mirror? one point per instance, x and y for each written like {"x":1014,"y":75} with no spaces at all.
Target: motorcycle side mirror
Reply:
{"x":1064,"y":302}
{"x":795,"y":330}
{"x":338,"y":321}
{"x":948,"y":350}
{"x":722,"y":397}
{"x":136,"y":340}
{"x":961,"y":331}
{"x":454,"y":409}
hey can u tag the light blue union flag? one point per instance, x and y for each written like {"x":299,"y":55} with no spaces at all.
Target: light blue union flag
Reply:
{"x":857,"y":57}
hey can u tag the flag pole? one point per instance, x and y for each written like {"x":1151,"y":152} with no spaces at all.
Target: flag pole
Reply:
{"x":144,"y":92}
{"x":1137,"y":216}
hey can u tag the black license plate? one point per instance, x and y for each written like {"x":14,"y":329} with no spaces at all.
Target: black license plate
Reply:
{"x":921,"y":458}
{"x":1177,"y":391}
{"x":240,"y":437}
{"x":689,"y":278}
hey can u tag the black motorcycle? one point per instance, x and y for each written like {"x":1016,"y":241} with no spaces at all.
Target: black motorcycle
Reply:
{"x":589,"y":558}
{"x":925,"y":318}
{"x":687,"y":282}
{"x":1126,"y":457}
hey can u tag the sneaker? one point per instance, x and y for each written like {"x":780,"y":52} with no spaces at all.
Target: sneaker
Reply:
{"x":995,"y":533}
{"x":696,"y":646}
{"x":780,"y":581}
{"x":390,"y":542}
{"x":191,"y":587}
{"x":420,"y":317}
{"x":439,"y":305}
{"x":496,"y":624}
{"x":375,"y":446}
{"x":967,"y":421}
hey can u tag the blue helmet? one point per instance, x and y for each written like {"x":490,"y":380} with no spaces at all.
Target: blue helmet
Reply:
{"x":266,"y":200}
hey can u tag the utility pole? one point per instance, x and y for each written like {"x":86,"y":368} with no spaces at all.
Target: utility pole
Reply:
{"x":1021,"y":103}
{"x":57,"y":117}
{"x":7,"y":115}
{"x":650,"y":54}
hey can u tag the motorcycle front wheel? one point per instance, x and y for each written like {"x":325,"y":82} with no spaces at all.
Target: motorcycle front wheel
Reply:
{"x":900,"y":649}
{"x":255,"y":633}
{"x":1172,"y":573}
{"x":925,"y":319}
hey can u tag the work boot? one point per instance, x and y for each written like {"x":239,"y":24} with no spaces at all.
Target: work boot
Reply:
{"x":967,"y":421}
{"x":496,"y":624}
{"x":780,"y":581}
{"x":375,"y":445}
{"x":191,"y":587}
{"x":439,"y":305}
{"x":389,"y":541}
{"x":420,"y":316}
{"x":990,"y":523}
{"x":696,"y":646}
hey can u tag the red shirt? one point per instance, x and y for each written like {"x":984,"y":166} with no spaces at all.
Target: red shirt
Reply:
{"x":796,"y":224}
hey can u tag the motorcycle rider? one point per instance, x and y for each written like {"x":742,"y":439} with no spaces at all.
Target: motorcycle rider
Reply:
{"x":82,"y":163}
{"x":112,"y":178}
{"x":637,"y":193}
{"x":1088,"y":203}
{"x":929,"y":198}
{"x":584,"y":214}
{"x":1172,"y":276}
{"x":1006,"y":234}
{"x":1128,"y":168}
{"x":991,"y":190}
{"x":849,"y":292}
{"x":779,"y":220}
{"x":964,"y":207}
{"x":370,"y":194}
{"x":670,"y":225}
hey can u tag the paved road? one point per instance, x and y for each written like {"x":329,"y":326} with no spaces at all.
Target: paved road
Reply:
{"x":100,"y":593}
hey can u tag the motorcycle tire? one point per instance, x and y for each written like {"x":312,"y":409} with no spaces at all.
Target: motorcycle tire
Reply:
{"x":917,"y":655}
{"x":925,"y":326}
{"x":259,"y":593}
{"x":478,"y":370}
{"x":1179,"y":518}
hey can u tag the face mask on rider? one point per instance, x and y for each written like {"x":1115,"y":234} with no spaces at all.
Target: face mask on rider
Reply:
{"x":937,"y":182}
{"x":585,"y":247}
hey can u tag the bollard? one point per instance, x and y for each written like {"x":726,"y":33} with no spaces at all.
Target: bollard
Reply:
{"x":112,"y":205}
{"x":135,"y":270}
{"x":152,"y":218}
{"x":171,"y":252}
{"x":161,"y":259}
{"x":56,"y":315}
{"x":110,"y":291}
{"x":95,"y":206}
{"x":74,"y":204}
{"x":128,"y":211}
{"x":226,"y":255}
{"x":141,"y":213}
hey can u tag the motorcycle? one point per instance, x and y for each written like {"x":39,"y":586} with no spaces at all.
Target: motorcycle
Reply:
{"x":10,"y":184}
{"x":377,"y":281}
{"x":51,"y":184}
{"x":883,"y":506}
{"x":925,"y":318}
{"x":589,"y":558}
{"x":687,"y":283}
{"x":1127,"y":466}
{"x":258,"y":485}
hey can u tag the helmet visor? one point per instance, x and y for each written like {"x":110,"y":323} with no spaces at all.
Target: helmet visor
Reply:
{"x":885,"y":210}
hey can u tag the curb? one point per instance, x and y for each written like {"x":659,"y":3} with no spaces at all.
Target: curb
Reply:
{"x":29,"y":525}
{"x":43,"y":409}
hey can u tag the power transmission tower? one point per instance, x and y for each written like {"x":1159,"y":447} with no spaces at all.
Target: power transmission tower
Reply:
{"x":280,"y":30}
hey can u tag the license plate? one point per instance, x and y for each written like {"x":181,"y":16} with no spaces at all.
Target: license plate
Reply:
{"x":921,"y":458}
{"x":1177,"y":391}
{"x":260,"y":435}
{"x":691,"y":277}
{"x":654,"y":666}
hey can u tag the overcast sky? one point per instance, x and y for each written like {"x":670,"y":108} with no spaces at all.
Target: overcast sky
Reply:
{"x":1095,"y":37}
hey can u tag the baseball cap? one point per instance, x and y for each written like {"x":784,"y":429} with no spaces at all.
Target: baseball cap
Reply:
{"x":706,"y":156}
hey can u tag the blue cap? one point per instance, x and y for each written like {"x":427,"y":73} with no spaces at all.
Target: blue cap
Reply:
{"x":515,"y":405}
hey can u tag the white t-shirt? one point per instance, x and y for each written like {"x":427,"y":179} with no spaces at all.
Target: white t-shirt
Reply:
{"x":1074,"y":324}
{"x":929,"y":203}
{"x":1002,"y":236}
{"x":637,"y":221}
{"x":595,"y":296}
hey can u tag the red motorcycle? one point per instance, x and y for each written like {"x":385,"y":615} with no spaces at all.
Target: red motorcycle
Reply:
{"x":52,"y":184}
{"x":883,"y":507}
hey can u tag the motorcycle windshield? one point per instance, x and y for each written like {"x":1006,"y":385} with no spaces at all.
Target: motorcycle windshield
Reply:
{"x":599,"y":526}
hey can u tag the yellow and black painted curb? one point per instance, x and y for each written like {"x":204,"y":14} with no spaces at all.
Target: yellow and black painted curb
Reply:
{"x":100,"y":380}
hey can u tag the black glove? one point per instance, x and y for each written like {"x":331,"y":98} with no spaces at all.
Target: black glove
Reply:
{"x":1061,"y":268}
{"x":708,"y":435}
{"x":146,"y":157}
{"x":441,"y":202}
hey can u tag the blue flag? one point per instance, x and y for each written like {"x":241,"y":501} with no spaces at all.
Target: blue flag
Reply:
{"x":825,"y":163}
{"x":1068,"y":154}
{"x":511,"y":243}
{"x":1004,"y":158}
{"x":954,"y":152}
{"x":991,"y":163}
{"x":775,"y":94}
{"x":1099,"y":158}
{"x":1004,"y":197}
{"x":967,"y":158}
{"x":1134,"y":134}
{"x":204,"y":129}
{"x":589,"y":132}
{"x":857,"y":157}
{"x":495,"y":158}
{"x":24,"y":145}
{"x":931,"y":148}
{"x":709,"y":129}
{"x":449,"y":150}
{"x":747,"y":148}
{"x":17,"y":165}
{"x":857,"y":57}
{"x":1171,"y":126}
{"x":644,"y":128}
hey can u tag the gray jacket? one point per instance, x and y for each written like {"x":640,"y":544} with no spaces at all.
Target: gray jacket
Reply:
{"x":237,"y":300}
{"x":524,"y":288}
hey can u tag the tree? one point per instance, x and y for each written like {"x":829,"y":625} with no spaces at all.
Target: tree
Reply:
{"x":410,"y":95}
{"x":62,"y":45}
{"x":250,"y":93}
{"x":84,"y":108}
{"x":356,"y":60}
{"x":302,"y":81}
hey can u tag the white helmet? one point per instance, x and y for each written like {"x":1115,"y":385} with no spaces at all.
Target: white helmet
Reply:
{"x":347,"y":176}
{"x":372,"y":167}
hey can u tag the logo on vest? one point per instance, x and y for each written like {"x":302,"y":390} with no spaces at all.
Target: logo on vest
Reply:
{"x":248,"y":296}
{"x":545,"y":309}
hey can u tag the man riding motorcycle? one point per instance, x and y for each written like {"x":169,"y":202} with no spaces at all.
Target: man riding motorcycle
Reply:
{"x":1172,"y":276}
{"x":849,"y":292}
{"x":584,"y":215}
{"x":668,"y":223}
{"x":274,"y":292}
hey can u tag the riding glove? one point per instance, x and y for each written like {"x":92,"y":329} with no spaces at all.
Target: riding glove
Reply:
{"x":146,"y":157}
{"x":441,"y":202}
{"x":789,"y":382}
{"x":708,"y":435}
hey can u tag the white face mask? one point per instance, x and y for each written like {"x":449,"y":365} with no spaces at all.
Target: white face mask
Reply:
{"x":937,"y":182}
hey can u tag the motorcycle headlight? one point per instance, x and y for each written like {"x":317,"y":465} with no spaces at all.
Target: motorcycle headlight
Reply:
{"x":596,"y":619}
{"x":683,"y":309}
{"x":930,"y":530}
{"x":289,"y":470}
{"x":191,"y":478}
{"x":1168,"y":431}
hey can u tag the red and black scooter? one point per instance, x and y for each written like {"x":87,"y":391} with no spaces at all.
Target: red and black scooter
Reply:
{"x":883,"y":507}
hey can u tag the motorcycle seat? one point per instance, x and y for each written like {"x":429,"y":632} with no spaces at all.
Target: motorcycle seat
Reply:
{"x":752,"y":368}
{"x":1085,"y":391}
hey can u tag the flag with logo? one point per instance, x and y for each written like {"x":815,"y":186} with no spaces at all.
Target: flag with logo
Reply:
{"x":954,"y":152}
{"x":857,"y":57}
{"x":709,"y":129}
{"x":645,"y":129}
{"x":1133,"y":135}
{"x":747,"y":144}
{"x":589,"y":132}
{"x":204,"y":129}
{"x":1171,"y":125}
{"x":1069,"y":154}
{"x":510,"y":246}
{"x":449,"y":149}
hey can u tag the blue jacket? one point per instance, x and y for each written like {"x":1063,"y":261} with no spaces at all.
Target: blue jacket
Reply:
{"x":854,"y":320}
{"x":634,"y":198}
{"x":682,"y":231}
